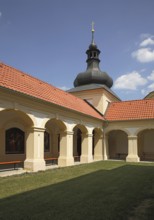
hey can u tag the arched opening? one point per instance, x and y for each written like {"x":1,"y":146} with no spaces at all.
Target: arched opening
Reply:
{"x":77,"y":144}
{"x":146,"y":145}
{"x":52,"y":139}
{"x":14,"y":133}
{"x":78,"y":136}
{"x":118,"y":144}
{"x":79,"y":141}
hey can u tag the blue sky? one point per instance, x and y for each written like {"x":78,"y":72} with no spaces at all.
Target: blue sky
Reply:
{"x":48,"y":39}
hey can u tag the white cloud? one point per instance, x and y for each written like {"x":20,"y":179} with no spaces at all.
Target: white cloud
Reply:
{"x":151,"y":76}
{"x":144,"y":55}
{"x":144,"y":92}
{"x":147,"y":42}
{"x":147,"y":90}
{"x":64,"y":88}
{"x":151,"y":87}
{"x":143,"y":36}
{"x":130,"y":81}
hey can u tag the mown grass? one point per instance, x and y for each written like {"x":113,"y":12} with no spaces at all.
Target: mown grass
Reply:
{"x":102,"y":190}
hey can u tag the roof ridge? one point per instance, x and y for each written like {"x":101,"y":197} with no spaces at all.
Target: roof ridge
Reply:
{"x":30,"y":87}
{"x":130,"y":110}
{"x":40,"y":80}
{"x":135,"y":100}
{"x":29,"y":75}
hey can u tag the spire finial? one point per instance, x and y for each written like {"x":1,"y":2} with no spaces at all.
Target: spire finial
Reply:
{"x":92,"y":30}
{"x":92,"y":24}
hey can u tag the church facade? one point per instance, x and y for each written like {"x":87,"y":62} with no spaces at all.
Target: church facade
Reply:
{"x":39,"y":122}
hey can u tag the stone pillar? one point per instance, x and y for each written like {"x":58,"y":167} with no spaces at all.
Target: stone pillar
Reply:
{"x":98,"y":147}
{"x":106,"y":147}
{"x":86,"y":152}
{"x":66,"y":149}
{"x":35,"y":150}
{"x":132,"y":150}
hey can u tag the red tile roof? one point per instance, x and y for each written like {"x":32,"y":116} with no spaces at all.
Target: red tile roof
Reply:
{"x":16,"y":80}
{"x":130,"y":110}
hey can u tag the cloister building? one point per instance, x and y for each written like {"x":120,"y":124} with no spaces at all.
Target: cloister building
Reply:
{"x":87,"y":123}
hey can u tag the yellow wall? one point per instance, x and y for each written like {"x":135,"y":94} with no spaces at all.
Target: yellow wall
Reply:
{"x":118,"y":144}
{"x":34,"y":117}
{"x":99,"y":98}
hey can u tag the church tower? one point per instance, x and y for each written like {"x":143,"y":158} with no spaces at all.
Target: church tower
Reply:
{"x":93,"y":85}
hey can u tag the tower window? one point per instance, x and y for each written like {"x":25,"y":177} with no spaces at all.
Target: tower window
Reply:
{"x":91,"y":54}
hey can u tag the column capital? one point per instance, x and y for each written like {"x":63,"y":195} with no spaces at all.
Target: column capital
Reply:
{"x":67,"y":132}
{"x":37,"y":129}
{"x":87,"y":135}
{"x":132,"y":137}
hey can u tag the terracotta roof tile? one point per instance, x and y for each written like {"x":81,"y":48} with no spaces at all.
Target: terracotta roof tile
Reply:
{"x":130,"y":110}
{"x":16,"y":80}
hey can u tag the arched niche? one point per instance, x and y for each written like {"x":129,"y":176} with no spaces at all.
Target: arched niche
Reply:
{"x":118,"y":144}
{"x":53,"y":133}
{"x":79,"y":132}
{"x":14,"y":132}
{"x":146,"y":145}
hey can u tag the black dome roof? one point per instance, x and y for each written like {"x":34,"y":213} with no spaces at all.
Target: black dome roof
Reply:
{"x":93,"y":74}
{"x":93,"y":77}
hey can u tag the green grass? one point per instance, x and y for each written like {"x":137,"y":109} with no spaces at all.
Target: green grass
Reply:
{"x":106,"y":190}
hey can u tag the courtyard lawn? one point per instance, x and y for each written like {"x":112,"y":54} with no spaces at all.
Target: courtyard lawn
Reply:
{"x":106,"y":190}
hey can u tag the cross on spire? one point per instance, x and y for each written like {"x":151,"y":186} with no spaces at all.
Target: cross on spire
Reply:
{"x":92,"y":24}
{"x":92,"y":30}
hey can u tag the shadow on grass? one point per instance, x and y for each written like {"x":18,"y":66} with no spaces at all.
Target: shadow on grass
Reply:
{"x":106,"y":194}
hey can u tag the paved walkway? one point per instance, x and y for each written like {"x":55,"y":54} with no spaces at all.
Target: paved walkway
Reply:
{"x":11,"y":172}
{"x":19,"y":171}
{"x":4,"y":173}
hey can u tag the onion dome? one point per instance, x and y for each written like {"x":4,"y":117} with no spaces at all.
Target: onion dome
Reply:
{"x":93,"y":74}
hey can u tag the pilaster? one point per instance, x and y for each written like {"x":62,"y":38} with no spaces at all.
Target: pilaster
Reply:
{"x":106,"y":147}
{"x":86,"y":155}
{"x":66,"y":149}
{"x":35,"y":150}
{"x":132,"y":150}
{"x":98,"y":149}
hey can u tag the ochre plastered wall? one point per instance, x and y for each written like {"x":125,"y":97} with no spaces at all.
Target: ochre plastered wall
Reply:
{"x":133,"y":130}
{"x":99,"y":98}
{"x":34,"y":117}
